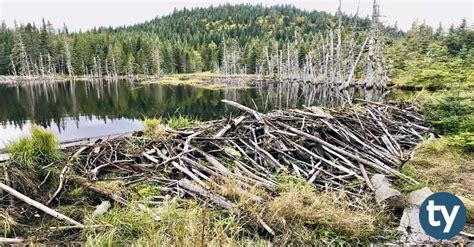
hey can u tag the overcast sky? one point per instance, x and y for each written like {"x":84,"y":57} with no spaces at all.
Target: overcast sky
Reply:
{"x":86,"y":14}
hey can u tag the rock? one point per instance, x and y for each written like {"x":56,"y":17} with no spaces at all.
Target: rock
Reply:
{"x":383,"y":192}
{"x":417,"y":197}
{"x":101,"y":209}
{"x":410,"y":227}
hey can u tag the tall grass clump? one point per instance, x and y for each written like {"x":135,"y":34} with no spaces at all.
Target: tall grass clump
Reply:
{"x":153,"y":128}
{"x":301,"y":215}
{"x":181,"y":223}
{"x":42,"y":147}
{"x":181,"y":122}
{"x":149,"y":124}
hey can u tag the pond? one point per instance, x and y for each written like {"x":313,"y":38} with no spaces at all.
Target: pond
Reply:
{"x":80,"y":109}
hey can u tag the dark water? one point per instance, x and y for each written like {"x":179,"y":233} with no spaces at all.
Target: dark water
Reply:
{"x":87,"y":109}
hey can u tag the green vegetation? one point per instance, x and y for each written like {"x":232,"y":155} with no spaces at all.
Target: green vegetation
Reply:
{"x":297,"y":213}
{"x":423,"y":58}
{"x":443,"y":167}
{"x":181,"y":122}
{"x":440,"y":64}
{"x":41,"y":148}
{"x":162,"y":45}
{"x":181,"y":223}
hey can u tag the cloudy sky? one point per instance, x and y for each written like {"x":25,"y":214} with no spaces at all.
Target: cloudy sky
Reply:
{"x":85,"y":14}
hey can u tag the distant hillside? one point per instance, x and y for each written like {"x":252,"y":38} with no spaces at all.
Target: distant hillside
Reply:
{"x":182,"y":42}
{"x":242,"y":22}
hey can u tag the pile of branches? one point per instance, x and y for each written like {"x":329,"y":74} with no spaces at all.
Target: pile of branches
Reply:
{"x":333,"y":149}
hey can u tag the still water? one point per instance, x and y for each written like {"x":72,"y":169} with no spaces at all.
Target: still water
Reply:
{"x":80,"y":109}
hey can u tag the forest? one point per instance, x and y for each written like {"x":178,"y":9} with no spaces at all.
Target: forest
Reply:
{"x":234,"y":39}
{"x":186,"y":41}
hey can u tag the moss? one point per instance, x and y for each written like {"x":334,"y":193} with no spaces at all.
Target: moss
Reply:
{"x":144,"y":191}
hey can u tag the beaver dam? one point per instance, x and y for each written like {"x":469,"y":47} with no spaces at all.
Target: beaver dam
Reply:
{"x":217,"y":164}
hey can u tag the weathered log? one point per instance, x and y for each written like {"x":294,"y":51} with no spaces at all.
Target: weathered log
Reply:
{"x":218,"y":200}
{"x":38,"y":205}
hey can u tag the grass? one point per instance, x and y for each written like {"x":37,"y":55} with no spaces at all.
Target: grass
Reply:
{"x":434,"y":158}
{"x":303,"y":216}
{"x":41,"y":148}
{"x":181,"y":122}
{"x":182,"y":223}
{"x":7,"y":223}
{"x":156,"y":128}
{"x":207,"y":80}
{"x":297,"y":213}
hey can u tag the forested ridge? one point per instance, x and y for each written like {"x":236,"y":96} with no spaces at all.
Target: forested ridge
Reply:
{"x":185,"y":41}
{"x":233,"y":39}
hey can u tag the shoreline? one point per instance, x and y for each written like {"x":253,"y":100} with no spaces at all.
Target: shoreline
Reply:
{"x":206,"y":80}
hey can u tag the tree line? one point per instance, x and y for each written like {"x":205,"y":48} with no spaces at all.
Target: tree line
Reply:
{"x":282,"y":42}
{"x":201,"y":39}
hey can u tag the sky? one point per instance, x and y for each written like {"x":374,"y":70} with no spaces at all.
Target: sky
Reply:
{"x":86,"y":14}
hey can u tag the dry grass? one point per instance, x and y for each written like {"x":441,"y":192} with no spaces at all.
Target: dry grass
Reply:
{"x":443,"y":167}
{"x":200,"y":79}
{"x":182,"y":223}
{"x":297,"y":213}
{"x":7,"y":222}
{"x":303,"y":216}
{"x":205,"y":80}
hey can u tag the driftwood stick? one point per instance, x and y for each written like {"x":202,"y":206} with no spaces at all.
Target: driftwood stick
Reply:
{"x":62,"y":175}
{"x":38,"y":205}
{"x":256,"y":114}
{"x":11,"y":240}
{"x":218,"y":200}
{"x":226,"y":128}
{"x":366,"y":177}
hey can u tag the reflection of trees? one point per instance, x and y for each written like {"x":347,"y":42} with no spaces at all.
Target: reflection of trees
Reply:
{"x":51,"y":102}
{"x":47,"y":103}
{"x":295,"y":94}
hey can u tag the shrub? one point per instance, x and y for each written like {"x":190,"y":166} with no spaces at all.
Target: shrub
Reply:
{"x":450,"y":114}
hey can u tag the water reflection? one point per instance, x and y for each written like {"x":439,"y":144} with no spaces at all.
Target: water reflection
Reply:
{"x":85,"y":109}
